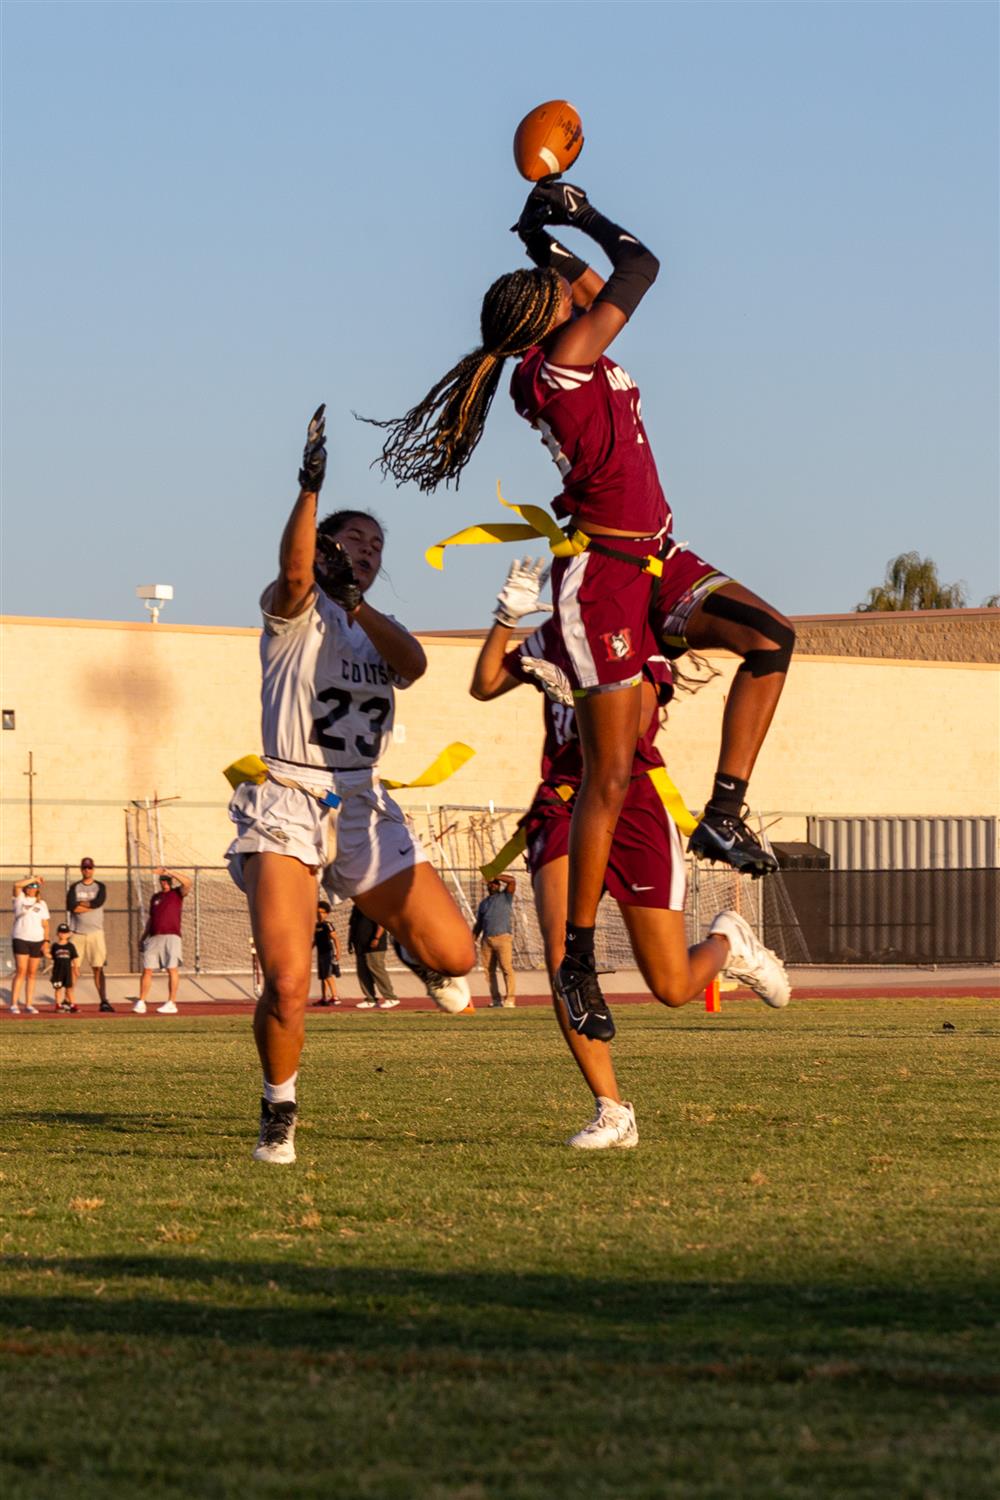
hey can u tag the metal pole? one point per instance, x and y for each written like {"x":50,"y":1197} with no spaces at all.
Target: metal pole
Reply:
{"x":197,"y":919}
{"x":30,"y":773}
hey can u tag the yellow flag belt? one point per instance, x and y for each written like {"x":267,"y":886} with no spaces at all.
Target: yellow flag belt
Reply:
{"x":452,"y":758}
{"x":535,"y":522}
{"x":668,"y":794}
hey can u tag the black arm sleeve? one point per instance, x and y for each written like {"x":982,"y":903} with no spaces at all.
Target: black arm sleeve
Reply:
{"x":101,"y":897}
{"x":635,"y":267}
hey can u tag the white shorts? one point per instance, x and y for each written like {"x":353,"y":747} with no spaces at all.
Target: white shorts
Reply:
{"x":372,"y":839}
{"x":162,"y":951}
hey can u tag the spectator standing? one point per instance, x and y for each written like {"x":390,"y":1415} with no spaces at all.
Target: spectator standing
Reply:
{"x":369,"y":943}
{"x":29,"y":939}
{"x":85,"y":904}
{"x":327,"y":946}
{"x":494,"y":933}
{"x":161,"y":940}
{"x":65,"y":968}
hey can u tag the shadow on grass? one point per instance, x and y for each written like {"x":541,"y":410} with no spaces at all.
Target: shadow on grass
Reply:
{"x":714,"y":1329}
{"x":119,"y":1122}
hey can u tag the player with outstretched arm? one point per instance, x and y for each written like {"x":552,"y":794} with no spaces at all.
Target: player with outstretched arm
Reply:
{"x":330,"y":666}
{"x":558,"y":321}
{"x":645,"y":873}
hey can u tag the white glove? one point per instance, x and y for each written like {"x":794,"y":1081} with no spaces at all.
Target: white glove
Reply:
{"x":519,"y":595}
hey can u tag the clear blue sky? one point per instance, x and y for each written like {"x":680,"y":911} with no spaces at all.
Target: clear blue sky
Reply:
{"x":217,"y":215}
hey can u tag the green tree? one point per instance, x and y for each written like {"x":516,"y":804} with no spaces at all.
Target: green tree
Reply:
{"x":912,"y":582}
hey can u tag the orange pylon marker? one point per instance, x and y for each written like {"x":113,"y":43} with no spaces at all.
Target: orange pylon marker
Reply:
{"x":713,"y":997}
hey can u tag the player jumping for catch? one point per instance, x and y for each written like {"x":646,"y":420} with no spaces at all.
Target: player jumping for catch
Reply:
{"x":558,"y":320}
{"x":331,"y":664}
{"x":645,"y":873}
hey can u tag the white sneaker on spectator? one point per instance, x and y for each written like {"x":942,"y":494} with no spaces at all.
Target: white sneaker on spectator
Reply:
{"x":31,"y":1010}
{"x":388,"y":1004}
{"x":751,"y":963}
{"x":366,"y":1005}
{"x":15,"y":1010}
{"x":139,"y":1008}
{"x":613,"y":1125}
{"x":168,"y":1008}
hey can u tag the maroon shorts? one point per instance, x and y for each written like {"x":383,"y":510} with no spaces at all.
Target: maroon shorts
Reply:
{"x":646,"y":865}
{"x":687,"y":580}
{"x":601,"y":611}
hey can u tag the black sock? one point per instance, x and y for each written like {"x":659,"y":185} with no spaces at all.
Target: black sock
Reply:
{"x":728,"y":794}
{"x":580,"y":943}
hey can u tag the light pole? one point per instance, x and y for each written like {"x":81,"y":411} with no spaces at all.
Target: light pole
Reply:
{"x":155,"y":596}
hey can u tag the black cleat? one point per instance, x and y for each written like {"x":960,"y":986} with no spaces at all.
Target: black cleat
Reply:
{"x":106,"y":1007}
{"x":576,"y":985}
{"x":276,"y":1142}
{"x":727,"y":838}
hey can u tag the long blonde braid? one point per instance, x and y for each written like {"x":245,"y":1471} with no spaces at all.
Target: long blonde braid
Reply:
{"x":434,"y":441}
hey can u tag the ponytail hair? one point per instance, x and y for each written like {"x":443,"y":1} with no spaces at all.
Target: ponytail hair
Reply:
{"x":434,"y":441}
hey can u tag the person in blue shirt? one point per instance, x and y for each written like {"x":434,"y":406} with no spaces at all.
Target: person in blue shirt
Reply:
{"x":494,"y":933}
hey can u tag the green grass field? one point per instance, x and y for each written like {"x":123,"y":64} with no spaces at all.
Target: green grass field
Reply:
{"x":789,"y":1289}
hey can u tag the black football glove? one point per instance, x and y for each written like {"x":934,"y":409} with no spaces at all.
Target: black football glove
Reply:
{"x":551,"y":201}
{"x":334,"y":574}
{"x":313,"y":470}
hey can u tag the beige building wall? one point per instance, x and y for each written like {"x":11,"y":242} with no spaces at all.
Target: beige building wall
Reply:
{"x":113,"y":712}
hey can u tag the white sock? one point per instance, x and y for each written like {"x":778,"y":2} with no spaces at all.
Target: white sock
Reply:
{"x":281,"y":1093}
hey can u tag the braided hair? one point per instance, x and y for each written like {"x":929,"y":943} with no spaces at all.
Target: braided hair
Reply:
{"x":436,"y":438}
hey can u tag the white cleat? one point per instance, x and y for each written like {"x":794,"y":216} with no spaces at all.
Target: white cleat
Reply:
{"x":139,"y":1008}
{"x":751,"y":963}
{"x":276,"y":1142}
{"x":168,"y":1008}
{"x":613,"y":1125}
{"x":449,"y":992}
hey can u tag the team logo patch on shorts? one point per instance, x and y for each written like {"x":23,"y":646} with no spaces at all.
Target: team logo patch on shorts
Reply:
{"x":618,"y":644}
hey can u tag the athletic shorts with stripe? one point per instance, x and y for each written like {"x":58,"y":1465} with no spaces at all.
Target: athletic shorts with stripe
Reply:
{"x":601,"y":611}
{"x":646,"y":864}
{"x":373,"y":841}
{"x":687,"y":581}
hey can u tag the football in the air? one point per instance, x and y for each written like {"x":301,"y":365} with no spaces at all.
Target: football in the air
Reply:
{"x":548,"y":140}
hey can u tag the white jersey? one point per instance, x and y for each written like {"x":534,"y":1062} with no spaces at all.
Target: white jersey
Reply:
{"x":327,"y":696}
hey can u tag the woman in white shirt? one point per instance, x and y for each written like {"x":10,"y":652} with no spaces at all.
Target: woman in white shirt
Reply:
{"x":29,"y":939}
{"x":330,"y":667}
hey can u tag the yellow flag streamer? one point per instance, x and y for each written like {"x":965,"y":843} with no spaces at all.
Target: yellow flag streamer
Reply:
{"x":247,"y":768}
{"x":452,"y":758}
{"x":672,"y":799}
{"x":516,"y":845}
{"x":536,"y":522}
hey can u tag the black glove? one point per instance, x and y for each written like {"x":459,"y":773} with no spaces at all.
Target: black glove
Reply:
{"x":313,"y":470}
{"x":547,"y":252}
{"x":551,"y":201}
{"x":334,"y":574}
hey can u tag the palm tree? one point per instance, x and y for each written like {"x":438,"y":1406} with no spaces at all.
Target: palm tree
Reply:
{"x":911,"y":582}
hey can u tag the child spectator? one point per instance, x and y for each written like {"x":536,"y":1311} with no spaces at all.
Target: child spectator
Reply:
{"x":65,"y":968}
{"x":327,"y":946}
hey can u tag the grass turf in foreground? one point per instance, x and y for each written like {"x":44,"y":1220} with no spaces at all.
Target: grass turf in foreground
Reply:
{"x":787,"y":1290}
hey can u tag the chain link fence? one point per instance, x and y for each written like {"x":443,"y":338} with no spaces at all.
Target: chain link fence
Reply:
{"x":822,"y":917}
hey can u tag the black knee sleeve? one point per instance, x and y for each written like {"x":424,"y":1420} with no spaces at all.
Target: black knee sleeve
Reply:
{"x":759,"y":663}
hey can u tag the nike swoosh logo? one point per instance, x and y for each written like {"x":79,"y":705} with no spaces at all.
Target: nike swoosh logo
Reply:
{"x":729,"y":786}
{"x":572,"y":201}
{"x":642,"y":887}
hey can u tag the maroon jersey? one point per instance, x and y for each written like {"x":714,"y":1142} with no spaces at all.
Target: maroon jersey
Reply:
{"x":562,"y":759}
{"x":590,"y":419}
